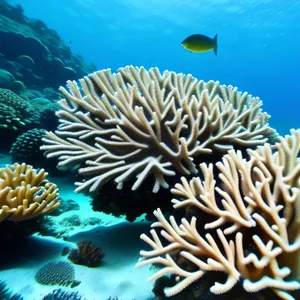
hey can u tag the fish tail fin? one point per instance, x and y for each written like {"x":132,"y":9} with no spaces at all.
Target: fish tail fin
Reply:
{"x":216,"y":44}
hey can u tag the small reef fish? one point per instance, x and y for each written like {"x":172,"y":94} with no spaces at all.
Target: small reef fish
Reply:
{"x":200,"y":43}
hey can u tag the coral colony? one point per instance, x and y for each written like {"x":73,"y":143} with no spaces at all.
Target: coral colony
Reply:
{"x":143,"y":122}
{"x":132,"y":140}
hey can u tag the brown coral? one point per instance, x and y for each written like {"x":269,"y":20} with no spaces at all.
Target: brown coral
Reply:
{"x":86,"y":254}
{"x":138,"y":124}
{"x":251,"y":228}
{"x":25,"y":193}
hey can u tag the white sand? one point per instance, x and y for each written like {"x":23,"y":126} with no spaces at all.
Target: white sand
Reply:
{"x":117,"y":276}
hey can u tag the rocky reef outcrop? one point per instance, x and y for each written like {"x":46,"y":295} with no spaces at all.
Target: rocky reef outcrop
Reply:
{"x":34,"y":62}
{"x":32,"y":55}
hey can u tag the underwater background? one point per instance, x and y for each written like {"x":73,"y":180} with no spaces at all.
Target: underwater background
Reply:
{"x":258,"y":41}
{"x":63,"y":244}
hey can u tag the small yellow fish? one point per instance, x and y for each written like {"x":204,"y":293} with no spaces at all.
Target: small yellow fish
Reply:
{"x":200,"y":43}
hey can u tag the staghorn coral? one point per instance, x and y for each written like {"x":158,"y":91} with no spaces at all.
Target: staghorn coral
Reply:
{"x":136,"y":124}
{"x":25,"y":193}
{"x":247,"y":226}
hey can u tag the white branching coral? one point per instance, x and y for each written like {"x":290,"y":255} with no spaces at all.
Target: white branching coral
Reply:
{"x":136,"y":123}
{"x":255,"y":198}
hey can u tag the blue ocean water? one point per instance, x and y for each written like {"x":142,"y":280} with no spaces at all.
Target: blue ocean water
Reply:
{"x":258,"y":52}
{"x":258,"y":41}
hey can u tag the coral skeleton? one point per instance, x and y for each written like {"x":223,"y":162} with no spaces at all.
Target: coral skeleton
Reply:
{"x":256,"y":199}
{"x":138,"y":124}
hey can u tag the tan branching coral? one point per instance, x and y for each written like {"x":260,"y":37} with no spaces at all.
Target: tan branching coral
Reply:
{"x":136,"y":123}
{"x":255,"y":199}
{"x":25,"y":193}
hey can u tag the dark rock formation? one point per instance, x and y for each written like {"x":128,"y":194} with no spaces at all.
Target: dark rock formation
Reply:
{"x":33,"y":54}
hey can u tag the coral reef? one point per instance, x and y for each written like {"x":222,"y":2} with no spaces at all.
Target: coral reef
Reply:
{"x":65,"y":206}
{"x":143,"y":126}
{"x":70,"y":221}
{"x":7,"y":294}
{"x":200,"y":290}
{"x":243,"y":222}
{"x":26,"y":149}
{"x":25,"y":193}
{"x":18,"y":114}
{"x":57,"y":273}
{"x":6,"y":79}
{"x":44,"y":113}
{"x":59,"y":294}
{"x":144,"y":123}
{"x":86,"y":254}
{"x":26,"y":196}
{"x":34,"y":61}
{"x":33,"y":54}
{"x":62,"y":225}
{"x":14,"y":111}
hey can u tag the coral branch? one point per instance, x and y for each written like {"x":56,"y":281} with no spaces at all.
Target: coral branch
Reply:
{"x":260,"y":193}
{"x":151,"y":123}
